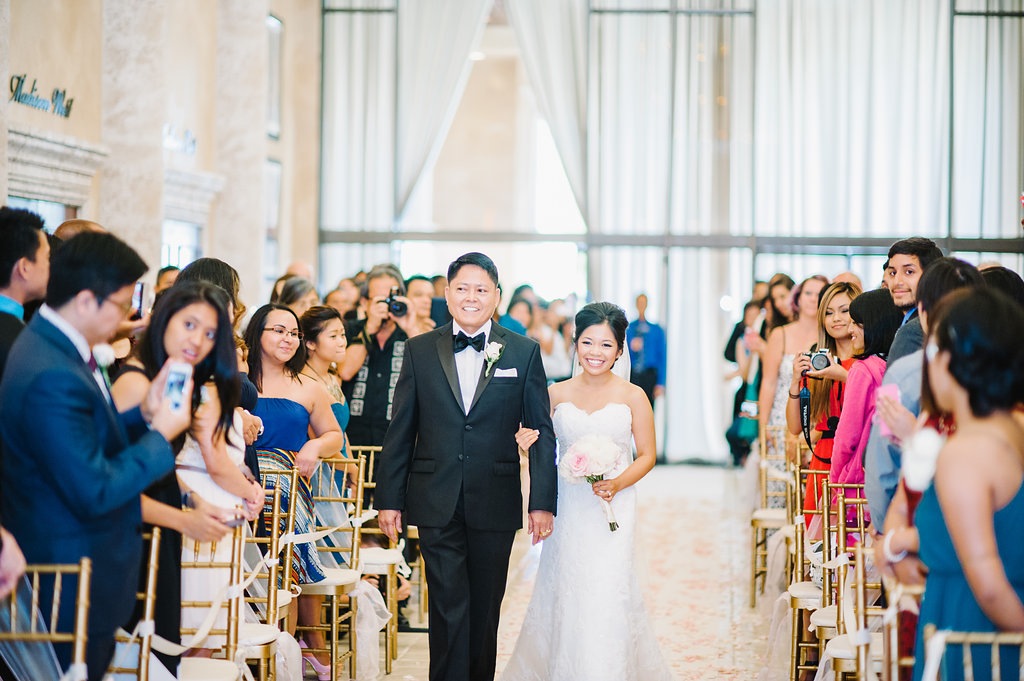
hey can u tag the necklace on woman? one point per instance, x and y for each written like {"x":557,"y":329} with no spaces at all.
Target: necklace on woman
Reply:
{"x":316,"y":374}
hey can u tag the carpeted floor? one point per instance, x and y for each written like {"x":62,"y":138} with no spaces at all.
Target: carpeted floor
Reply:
{"x":692,"y":547}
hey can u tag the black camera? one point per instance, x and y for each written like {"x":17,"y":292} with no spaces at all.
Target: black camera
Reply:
{"x":396,"y":306}
{"x":819,"y":359}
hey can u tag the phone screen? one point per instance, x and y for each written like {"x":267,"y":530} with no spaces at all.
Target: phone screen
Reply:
{"x":138,"y":298}
{"x":176,"y":377}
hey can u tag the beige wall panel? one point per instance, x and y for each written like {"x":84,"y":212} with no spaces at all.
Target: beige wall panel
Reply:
{"x":134,"y":108}
{"x":5,"y":39}
{"x":298,"y":147}
{"x":190,"y":39}
{"x":237,"y":219}
{"x":59,"y":45}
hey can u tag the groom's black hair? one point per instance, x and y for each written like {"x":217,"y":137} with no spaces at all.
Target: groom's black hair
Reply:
{"x":478,"y":259}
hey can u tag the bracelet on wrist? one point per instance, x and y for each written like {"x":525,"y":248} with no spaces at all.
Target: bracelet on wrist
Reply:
{"x":887,"y":548}
{"x":793,"y":396}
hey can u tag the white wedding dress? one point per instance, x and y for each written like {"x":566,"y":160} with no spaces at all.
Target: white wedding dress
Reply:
{"x":586,"y":619}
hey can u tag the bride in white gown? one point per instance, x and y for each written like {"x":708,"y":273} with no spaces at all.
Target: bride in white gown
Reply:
{"x":586,"y":619}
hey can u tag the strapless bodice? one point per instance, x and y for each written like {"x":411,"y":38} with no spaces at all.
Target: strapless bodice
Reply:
{"x":613,"y":421}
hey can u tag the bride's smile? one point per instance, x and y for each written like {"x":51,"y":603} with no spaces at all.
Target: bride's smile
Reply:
{"x":597,"y":349}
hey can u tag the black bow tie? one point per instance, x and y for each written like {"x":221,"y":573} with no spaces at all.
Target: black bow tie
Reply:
{"x":462,"y":341}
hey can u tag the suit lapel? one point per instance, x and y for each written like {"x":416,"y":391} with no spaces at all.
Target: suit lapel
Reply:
{"x":497,"y":336}
{"x":446,"y":353}
{"x":57,"y":338}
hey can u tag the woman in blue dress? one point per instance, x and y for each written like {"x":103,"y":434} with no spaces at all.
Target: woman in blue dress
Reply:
{"x":299,"y":429}
{"x":968,"y":522}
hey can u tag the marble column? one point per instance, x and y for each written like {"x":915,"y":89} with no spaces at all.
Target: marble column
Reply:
{"x":134,"y":108}
{"x":5,"y":68}
{"x":237,"y":221}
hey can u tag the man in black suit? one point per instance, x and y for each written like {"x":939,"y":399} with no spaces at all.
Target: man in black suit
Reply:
{"x":74,"y":467}
{"x":24,"y":271}
{"x":450,"y":465}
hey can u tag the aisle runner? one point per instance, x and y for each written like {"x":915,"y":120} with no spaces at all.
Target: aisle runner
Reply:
{"x":692,"y":548}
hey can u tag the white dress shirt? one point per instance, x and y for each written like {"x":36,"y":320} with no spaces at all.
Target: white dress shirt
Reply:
{"x":469,"y":363}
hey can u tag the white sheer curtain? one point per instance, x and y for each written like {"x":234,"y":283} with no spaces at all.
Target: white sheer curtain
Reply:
{"x":436,"y":37}
{"x":392,"y":78}
{"x":852,"y":117}
{"x":553,"y":39}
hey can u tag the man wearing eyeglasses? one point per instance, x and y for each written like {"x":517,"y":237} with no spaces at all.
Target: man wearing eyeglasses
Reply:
{"x":74,"y":467}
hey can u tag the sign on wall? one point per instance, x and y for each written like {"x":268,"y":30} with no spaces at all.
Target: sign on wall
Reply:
{"x":59,"y":104}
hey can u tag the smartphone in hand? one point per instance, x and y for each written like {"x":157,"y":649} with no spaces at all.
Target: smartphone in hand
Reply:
{"x":892,"y":391}
{"x":177,"y":375}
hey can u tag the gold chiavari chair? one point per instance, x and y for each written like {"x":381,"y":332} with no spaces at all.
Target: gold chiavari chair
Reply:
{"x":898,"y":667}
{"x":774,"y":500}
{"x":851,"y":625}
{"x":243,"y":640}
{"x":805,"y":596}
{"x":40,"y":630}
{"x":338,"y":584}
{"x":136,"y":660}
{"x":835,"y":543}
{"x":381,"y":561}
{"x":959,"y":649}
{"x":272,"y":599}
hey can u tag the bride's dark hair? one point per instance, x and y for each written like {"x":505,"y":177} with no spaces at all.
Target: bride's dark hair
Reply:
{"x":602,"y":313}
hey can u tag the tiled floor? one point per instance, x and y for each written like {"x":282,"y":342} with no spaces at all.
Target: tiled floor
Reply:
{"x":692,"y":549}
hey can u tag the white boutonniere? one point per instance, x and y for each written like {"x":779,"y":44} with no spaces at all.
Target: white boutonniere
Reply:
{"x":104,"y":356}
{"x":492,"y":353}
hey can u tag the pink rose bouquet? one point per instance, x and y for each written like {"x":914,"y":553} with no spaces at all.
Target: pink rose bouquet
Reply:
{"x":591,"y":458}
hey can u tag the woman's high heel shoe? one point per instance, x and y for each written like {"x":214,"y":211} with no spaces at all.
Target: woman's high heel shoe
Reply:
{"x":323,"y":671}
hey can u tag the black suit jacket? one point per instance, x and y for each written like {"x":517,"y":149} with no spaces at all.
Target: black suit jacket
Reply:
{"x":434,"y":450}
{"x":73,"y":470}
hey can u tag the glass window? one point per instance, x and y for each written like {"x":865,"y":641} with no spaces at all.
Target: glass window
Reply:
{"x":181,"y":243}
{"x":51,"y":212}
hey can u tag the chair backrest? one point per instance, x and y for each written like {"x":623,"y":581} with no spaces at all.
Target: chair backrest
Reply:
{"x":27,"y":622}
{"x":203,"y":556}
{"x":845,"y":607}
{"x":265,"y":598}
{"x":962,"y":642}
{"x":338,"y":504}
{"x":866,"y":595}
{"x":836,"y":531}
{"x":898,"y":664}
{"x":140,"y":668}
{"x":773,"y":479}
{"x":370,"y":453}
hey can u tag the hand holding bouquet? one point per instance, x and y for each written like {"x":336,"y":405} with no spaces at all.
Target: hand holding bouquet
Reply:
{"x":591,"y":458}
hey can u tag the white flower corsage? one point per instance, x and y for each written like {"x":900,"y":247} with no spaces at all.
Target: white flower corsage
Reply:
{"x":492,"y":353}
{"x":104,"y":356}
{"x":920,"y":454}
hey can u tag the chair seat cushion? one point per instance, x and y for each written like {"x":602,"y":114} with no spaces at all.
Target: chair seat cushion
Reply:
{"x":774,"y":517}
{"x":376,"y":560}
{"x":335,"y":579}
{"x":824,"y":617}
{"x":256,"y":634}
{"x":805,"y":591}
{"x":842,"y":648}
{"x":206,"y":669}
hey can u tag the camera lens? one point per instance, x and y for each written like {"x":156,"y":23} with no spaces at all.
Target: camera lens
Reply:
{"x":819,"y":361}
{"x":397,"y":308}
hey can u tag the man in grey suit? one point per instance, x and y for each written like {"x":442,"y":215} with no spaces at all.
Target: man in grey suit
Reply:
{"x":74,"y":467}
{"x":450,"y":465}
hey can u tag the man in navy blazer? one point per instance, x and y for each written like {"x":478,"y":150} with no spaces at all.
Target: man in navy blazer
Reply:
{"x":450,"y":464}
{"x":74,"y":467}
